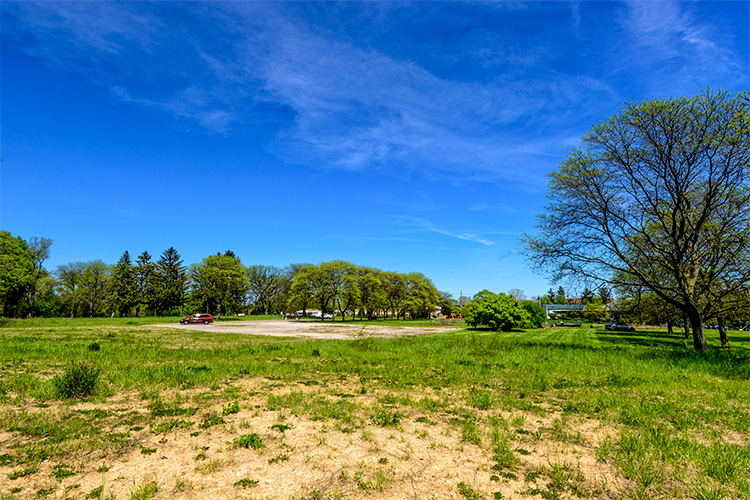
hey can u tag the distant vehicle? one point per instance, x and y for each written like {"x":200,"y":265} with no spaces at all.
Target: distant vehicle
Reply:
{"x":291,"y":316}
{"x":198,"y":318}
{"x":619,"y":327}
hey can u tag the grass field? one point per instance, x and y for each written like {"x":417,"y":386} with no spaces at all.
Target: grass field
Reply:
{"x":555,"y":413}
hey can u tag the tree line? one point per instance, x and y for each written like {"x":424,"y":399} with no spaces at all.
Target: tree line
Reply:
{"x":219,"y":284}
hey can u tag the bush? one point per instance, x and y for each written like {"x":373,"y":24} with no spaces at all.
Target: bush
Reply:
{"x":78,"y":381}
{"x":536,"y":312}
{"x":496,"y":311}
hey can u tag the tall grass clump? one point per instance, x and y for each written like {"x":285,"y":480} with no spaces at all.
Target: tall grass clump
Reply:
{"x":79,"y":380}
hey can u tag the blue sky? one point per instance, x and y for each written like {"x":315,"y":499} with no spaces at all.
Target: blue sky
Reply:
{"x":408,"y":136}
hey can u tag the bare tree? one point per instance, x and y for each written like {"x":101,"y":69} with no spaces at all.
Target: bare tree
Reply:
{"x":658,"y":197}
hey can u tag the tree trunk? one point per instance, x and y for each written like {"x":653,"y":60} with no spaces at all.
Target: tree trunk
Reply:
{"x":686,"y":323}
{"x":722,"y":332}
{"x":670,"y":331}
{"x":699,"y":339}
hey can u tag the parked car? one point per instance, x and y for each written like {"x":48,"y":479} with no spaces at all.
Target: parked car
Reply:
{"x":291,"y":316}
{"x":619,"y":327}
{"x":198,"y":318}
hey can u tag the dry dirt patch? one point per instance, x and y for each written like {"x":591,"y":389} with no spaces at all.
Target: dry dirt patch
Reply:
{"x":303,"y":456}
{"x":315,"y":330}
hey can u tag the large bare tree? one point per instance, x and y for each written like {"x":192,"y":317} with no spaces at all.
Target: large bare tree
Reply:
{"x":658,"y":196}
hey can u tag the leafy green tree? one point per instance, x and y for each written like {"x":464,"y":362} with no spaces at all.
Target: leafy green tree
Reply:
{"x":657,"y":197}
{"x":345,"y":281}
{"x":421,"y":296}
{"x":265,"y":284}
{"x":537,"y":314}
{"x":395,"y":292}
{"x":302,"y":291}
{"x":371,"y":295}
{"x":496,"y":311}
{"x":447,"y":303}
{"x":170,"y":277}
{"x":219,"y":284}
{"x":16,"y":270}
{"x":124,"y":291}
{"x":94,"y":287}
{"x":70,"y":276}
{"x":38,"y":249}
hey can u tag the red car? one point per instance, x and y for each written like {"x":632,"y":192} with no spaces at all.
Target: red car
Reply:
{"x":198,"y":318}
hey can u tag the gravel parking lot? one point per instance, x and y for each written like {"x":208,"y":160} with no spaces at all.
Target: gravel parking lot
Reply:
{"x":316,"y":330}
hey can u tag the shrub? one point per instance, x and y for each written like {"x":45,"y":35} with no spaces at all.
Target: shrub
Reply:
{"x":77,"y":381}
{"x":537,"y":314}
{"x":496,"y":311}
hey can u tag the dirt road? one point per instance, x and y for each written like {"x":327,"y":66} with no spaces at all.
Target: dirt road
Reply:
{"x":315,"y":330}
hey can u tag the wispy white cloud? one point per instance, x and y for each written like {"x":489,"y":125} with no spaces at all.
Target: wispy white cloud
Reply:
{"x":675,"y":38}
{"x":416,"y":222}
{"x":335,"y":102}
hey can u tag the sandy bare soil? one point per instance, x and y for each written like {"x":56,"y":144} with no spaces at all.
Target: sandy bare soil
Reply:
{"x":303,"y":458}
{"x":316,"y":330}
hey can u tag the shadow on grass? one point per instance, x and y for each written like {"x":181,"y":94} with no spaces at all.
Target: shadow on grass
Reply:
{"x":733,"y":363}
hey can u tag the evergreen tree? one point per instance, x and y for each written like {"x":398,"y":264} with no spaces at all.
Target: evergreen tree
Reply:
{"x":171,"y":280}
{"x":587,"y":296}
{"x":124,"y":290}
{"x":144,"y":282}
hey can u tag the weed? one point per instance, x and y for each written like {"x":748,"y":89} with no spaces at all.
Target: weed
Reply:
{"x":77,"y":381}
{"x":181,"y":484}
{"x":210,"y":421}
{"x":470,"y":433}
{"x":480,"y":399}
{"x":170,"y":425}
{"x":424,"y":420}
{"x":211,"y":466}
{"x":22,"y":473}
{"x":228,"y":409}
{"x":503,"y":455}
{"x":145,"y":491}
{"x":246,"y":483}
{"x":96,"y":492}
{"x":60,"y":472}
{"x":248,"y":441}
{"x":94,"y":346}
{"x":159,"y":409}
{"x":281,"y":457}
{"x":468,"y":492}
{"x":148,"y":451}
{"x":282,"y":428}
{"x":386,"y":417}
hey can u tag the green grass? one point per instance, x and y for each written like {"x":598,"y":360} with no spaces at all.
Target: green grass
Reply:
{"x":680,"y":418}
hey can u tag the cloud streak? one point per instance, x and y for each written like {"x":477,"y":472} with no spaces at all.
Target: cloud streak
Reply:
{"x":333,"y":101}
{"x":416,"y":222}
